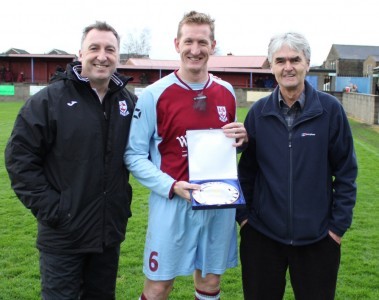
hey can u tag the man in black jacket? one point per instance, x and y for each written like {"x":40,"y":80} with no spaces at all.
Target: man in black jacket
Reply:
{"x":65,"y":162}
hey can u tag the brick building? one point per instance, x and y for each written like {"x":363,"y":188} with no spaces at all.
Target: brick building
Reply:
{"x":350,"y":60}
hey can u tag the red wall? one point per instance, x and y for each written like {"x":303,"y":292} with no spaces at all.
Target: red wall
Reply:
{"x":44,"y":67}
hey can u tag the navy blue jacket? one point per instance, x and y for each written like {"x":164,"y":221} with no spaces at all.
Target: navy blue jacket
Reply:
{"x":300,"y":182}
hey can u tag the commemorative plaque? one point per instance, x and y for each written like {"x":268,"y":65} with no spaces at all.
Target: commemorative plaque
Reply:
{"x":212,"y":162}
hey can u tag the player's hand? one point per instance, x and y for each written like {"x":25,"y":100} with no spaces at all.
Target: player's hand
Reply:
{"x":182,"y":189}
{"x":237,"y":131}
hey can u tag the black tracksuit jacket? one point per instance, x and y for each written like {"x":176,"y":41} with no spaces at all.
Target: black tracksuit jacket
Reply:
{"x":65,"y":162}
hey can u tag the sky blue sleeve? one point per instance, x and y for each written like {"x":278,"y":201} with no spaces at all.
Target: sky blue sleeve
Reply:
{"x":142,"y":157}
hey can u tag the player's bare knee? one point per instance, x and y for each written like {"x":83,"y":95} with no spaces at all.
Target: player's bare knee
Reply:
{"x":157,"y":289}
{"x":210,"y":283}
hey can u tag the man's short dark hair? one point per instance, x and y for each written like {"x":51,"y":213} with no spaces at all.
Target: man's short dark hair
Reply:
{"x":101,"y":26}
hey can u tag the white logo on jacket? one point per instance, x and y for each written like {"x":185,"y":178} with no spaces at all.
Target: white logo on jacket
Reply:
{"x":123,"y":108}
{"x":307,"y":134}
{"x":72,"y":103}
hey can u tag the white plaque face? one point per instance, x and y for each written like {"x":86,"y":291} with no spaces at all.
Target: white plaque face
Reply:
{"x":215,"y":193}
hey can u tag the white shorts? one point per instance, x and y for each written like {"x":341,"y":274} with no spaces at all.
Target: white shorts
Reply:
{"x":180,"y":240}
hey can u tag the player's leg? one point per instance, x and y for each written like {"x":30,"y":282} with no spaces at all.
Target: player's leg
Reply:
{"x":216,"y":251}
{"x":157,"y":290}
{"x":173,"y":229}
{"x":207,"y":287}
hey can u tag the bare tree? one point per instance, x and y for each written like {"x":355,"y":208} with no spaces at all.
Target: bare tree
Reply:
{"x":137,"y":43}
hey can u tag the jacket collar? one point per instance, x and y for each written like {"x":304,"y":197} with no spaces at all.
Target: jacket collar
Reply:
{"x":312,"y":102}
{"x":117,"y":81}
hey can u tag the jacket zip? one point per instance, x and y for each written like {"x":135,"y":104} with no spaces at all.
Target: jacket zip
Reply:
{"x":290,"y":182}
{"x":104,"y":118}
{"x":106,"y":137}
{"x":290,"y":179}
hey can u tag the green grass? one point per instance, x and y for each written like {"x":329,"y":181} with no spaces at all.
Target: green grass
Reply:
{"x":359,"y":271}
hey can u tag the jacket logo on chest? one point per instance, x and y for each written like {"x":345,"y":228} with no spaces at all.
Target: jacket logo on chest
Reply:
{"x":304,"y":134}
{"x":123,"y":108}
{"x":72,"y":103}
{"x":222,"y":113}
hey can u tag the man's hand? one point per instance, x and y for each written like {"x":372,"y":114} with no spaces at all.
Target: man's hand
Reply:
{"x":243,"y":223}
{"x":182,"y":189}
{"x":335,"y":237}
{"x":237,"y":131}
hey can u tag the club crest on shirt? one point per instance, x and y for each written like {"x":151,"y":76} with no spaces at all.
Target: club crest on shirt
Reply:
{"x":222,"y":113}
{"x":123,"y":108}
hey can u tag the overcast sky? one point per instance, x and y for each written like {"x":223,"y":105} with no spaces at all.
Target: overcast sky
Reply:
{"x":243,"y":27}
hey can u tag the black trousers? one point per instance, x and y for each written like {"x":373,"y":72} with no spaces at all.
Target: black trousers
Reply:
{"x":313,"y":268}
{"x":79,"y":276}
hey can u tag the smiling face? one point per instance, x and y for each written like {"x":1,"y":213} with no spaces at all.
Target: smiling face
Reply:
{"x":99,"y":56}
{"x":290,"y":68}
{"x":194,"y":46}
